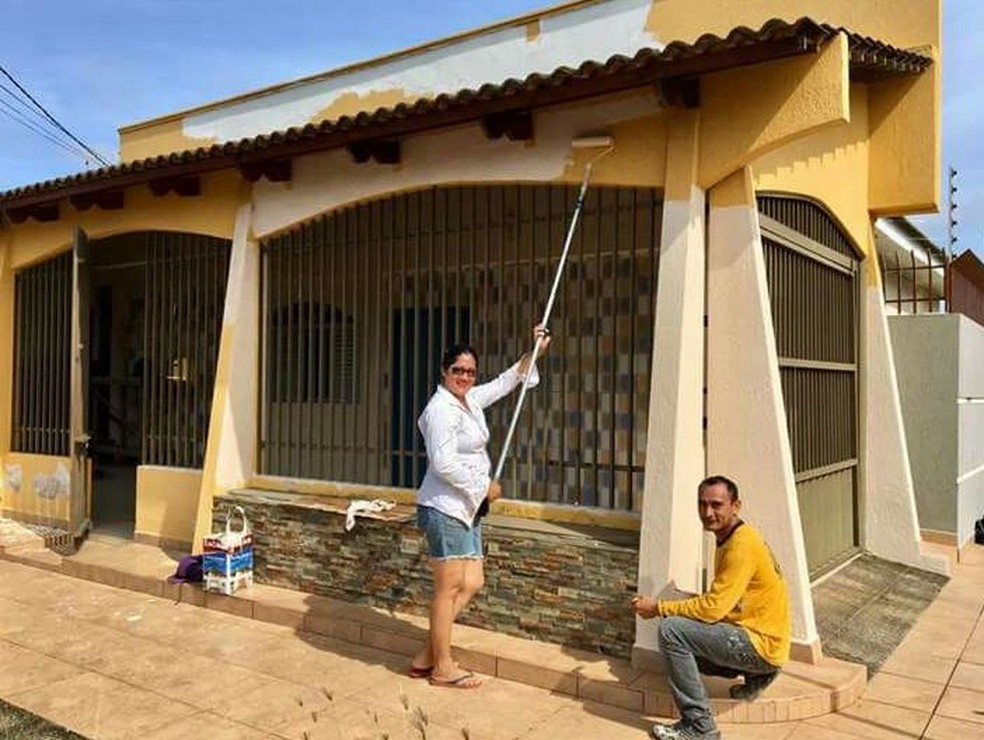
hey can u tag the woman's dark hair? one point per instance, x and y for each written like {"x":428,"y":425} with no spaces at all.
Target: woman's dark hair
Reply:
{"x":455,"y":351}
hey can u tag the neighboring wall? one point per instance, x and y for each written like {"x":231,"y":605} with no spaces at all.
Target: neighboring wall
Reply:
{"x":970,"y":421}
{"x":938,"y":360}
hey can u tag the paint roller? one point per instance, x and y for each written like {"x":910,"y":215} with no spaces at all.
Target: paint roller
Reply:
{"x":607,"y":145}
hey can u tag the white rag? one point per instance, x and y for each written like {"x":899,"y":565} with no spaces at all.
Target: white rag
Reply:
{"x":362,"y":506}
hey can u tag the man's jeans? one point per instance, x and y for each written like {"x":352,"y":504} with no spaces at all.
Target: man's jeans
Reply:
{"x":691,"y":648}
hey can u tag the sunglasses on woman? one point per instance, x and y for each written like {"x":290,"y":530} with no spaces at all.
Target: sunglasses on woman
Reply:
{"x":466,"y":371}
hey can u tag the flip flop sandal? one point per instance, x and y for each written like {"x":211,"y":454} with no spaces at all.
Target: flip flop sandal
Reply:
{"x":464,"y":681}
{"x":420,"y":672}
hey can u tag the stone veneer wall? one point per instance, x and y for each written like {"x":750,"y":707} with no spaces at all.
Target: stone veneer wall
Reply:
{"x":543,"y":582}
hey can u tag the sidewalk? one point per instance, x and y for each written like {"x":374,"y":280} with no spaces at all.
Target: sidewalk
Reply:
{"x":112,"y":663}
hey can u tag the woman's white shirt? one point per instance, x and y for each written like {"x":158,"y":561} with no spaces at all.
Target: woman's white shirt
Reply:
{"x":459,"y":469}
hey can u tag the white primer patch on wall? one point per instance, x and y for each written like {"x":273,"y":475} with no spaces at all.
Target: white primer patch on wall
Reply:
{"x":595,"y":32}
{"x":52,"y":485}
{"x":328,"y":180}
{"x":13,"y":477}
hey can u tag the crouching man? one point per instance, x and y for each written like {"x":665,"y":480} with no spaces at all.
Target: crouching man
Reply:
{"x":740,"y":627}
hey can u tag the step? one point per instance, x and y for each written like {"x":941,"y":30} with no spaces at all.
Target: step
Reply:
{"x":801,"y":691}
{"x":15,"y":537}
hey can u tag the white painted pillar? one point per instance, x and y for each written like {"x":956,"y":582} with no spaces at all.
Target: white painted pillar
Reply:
{"x":747,"y":438}
{"x":670,"y":538}
{"x":231,"y":448}
{"x":891,"y":523}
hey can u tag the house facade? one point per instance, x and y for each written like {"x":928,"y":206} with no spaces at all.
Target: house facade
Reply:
{"x":257,"y":297}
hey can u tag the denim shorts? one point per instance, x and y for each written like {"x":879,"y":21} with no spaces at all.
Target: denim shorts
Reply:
{"x":449,"y":538}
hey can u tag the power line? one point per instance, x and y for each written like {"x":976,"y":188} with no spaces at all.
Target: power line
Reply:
{"x":31,"y":119}
{"x":15,"y":115}
{"x":98,"y":157}
{"x":20,"y":101}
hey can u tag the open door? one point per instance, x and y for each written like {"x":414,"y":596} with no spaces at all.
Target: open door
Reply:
{"x":81,"y":483}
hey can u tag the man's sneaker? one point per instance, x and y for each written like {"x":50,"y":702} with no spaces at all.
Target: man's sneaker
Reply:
{"x":680,"y":731}
{"x":753,"y":686}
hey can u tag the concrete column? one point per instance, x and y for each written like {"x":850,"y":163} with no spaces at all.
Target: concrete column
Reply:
{"x":670,"y":538}
{"x":891,"y":524}
{"x":230,"y":451}
{"x":747,"y":438}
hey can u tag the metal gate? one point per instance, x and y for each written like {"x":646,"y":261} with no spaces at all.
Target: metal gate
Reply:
{"x":358,"y":305}
{"x":185,"y":298}
{"x":812,"y":271}
{"x":42,"y":331}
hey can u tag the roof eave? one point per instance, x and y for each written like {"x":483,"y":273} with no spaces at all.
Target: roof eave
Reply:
{"x":742,"y":47}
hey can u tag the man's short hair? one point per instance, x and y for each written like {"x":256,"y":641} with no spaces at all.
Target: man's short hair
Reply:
{"x":722,"y":480}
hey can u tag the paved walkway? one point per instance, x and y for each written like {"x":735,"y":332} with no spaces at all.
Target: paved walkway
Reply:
{"x":110,"y":663}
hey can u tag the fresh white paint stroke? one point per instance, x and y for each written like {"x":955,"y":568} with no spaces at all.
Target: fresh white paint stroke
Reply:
{"x":328,"y":180}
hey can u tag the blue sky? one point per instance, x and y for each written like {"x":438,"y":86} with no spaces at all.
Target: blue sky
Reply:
{"x":99,"y":64}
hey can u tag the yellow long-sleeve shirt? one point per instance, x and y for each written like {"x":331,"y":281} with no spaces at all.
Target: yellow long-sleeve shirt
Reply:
{"x":748,"y":591}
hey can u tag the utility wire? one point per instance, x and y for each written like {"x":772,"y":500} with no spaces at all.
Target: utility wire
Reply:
{"x":98,"y":157}
{"x":15,"y":115}
{"x":28,"y":117}
{"x":20,"y":101}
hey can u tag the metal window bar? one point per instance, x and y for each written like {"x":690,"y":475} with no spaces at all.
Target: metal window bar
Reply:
{"x":378,"y":290}
{"x":185,"y":297}
{"x":912,"y":286}
{"x":809,"y":219}
{"x":42,"y":335}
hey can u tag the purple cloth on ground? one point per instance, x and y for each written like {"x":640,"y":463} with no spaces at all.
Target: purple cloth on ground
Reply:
{"x":189,"y":570}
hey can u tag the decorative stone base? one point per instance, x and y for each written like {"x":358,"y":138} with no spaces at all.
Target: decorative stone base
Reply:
{"x":564,"y":584}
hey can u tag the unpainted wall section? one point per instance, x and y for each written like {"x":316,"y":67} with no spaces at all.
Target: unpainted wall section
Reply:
{"x":926,"y":360}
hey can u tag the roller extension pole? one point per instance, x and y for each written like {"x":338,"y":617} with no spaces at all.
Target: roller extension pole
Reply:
{"x":597,"y":141}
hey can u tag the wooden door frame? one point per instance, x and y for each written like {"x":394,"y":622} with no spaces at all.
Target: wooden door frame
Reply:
{"x":80,"y":482}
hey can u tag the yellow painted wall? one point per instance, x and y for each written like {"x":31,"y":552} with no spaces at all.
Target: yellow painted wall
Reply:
{"x":830,"y":166}
{"x":905,"y":114}
{"x":167,"y":499}
{"x":750,"y":110}
{"x":905,"y":154}
{"x":159,"y":137}
{"x":639,"y":157}
{"x":903,"y":23}
{"x":36,"y":487}
{"x":213,"y":213}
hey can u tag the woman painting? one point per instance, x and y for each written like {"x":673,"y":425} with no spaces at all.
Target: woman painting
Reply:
{"x":457,"y":480}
